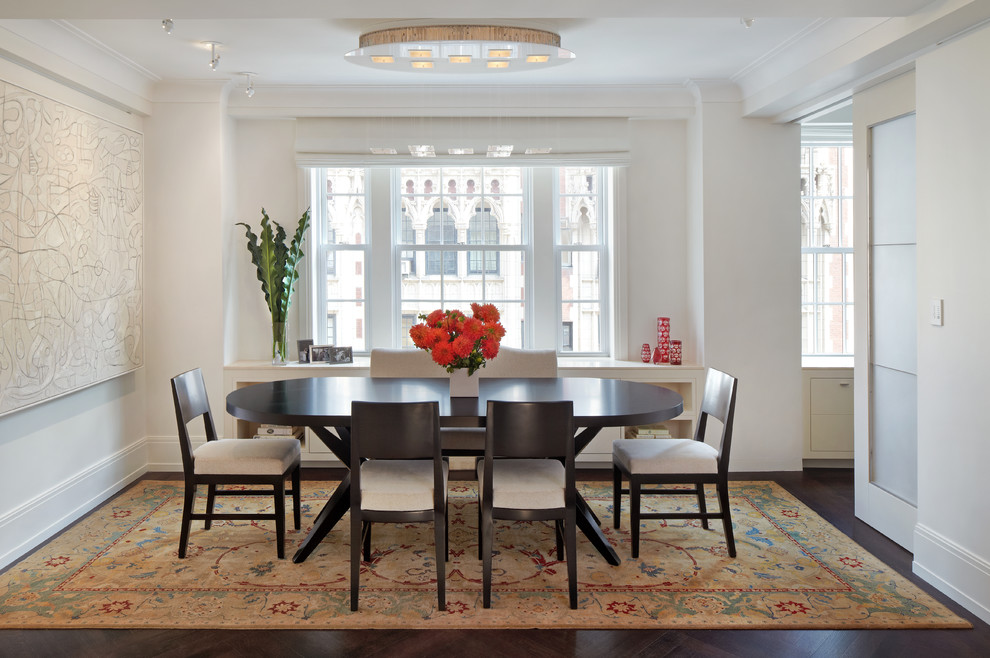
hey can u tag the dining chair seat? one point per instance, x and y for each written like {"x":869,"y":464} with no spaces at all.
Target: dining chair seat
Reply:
{"x":402,"y":485}
{"x":269,"y":456}
{"x":658,"y":456}
{"x":527,"y":483}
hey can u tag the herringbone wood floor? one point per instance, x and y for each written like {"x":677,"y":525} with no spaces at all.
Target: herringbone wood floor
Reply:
{"x":829,"y":492}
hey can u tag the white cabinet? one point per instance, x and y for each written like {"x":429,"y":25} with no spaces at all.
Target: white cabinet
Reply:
{"x":686,"y":380}
{"x":828,"y":413}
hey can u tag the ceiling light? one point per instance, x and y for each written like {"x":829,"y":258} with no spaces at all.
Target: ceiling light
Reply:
{"x":168,"y":24}
{"x":250,"y":83}
{"x":541,"y":150}
{"x":499,"y":150}
{"x":461,"y":151}
{"x":461,"y":48}
{"x":377,"y":150}
{"x":422,"y":151}
{"x":747,"y":22}
{"x":214,"y":57}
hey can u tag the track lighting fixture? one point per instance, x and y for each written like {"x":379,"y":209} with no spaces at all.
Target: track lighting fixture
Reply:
{"x":747,"y":22}
{"x":168,"y":25}
{"x":250,"y":83}
{"x":214,"y":57}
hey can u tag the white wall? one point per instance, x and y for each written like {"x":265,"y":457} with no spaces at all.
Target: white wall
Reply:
{"x":656,"y":223}
{"x":267,"y":177}
{"x":952,"y":537}
{"x":751,"y":278}
{"x":184,"y":254}
{"x":60,"y":458}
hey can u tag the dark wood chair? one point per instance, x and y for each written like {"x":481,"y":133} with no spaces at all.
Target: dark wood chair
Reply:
{"x":527,"y":474}
{"x":231,"y":461}
{"x":679,"y":462}
{"x":397,"y":476}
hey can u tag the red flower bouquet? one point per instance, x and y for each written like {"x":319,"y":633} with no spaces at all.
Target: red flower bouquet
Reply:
{"x":457,"y":341}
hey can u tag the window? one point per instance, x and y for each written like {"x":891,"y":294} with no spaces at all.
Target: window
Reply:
{"x":826,"y":249}
{"x":457,"y":235}
{"x":581,"y":250}
{"x":340,"y":223}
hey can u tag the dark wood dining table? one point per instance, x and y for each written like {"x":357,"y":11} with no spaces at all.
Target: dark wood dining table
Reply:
{"x":321,"y":403}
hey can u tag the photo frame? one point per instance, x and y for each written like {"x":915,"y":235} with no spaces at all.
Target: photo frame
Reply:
{"x":341,"y":355}
{"x":319,"y":353}
{"x":303,"y":347}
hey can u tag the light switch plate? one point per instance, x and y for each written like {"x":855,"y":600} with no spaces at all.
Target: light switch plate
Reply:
{"x":935,"y":314}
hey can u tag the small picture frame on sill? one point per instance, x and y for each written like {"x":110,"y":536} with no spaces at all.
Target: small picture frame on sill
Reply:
{"x":303,"y":346}
{"x":319,"y":353}
{"x":341,"y":355}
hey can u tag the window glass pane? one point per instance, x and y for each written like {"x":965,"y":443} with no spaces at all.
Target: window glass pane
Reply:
{"x":344,"y":282}
{"x":579,"y":180}
{"x":584,"y":320}
{"x":846,"y":227}
{"x":846,"y":171}
{"x":808,"y":329}
{"x":578,"y":220}
{"x":510,"y":283}
{"x":419,"y":181}
{"x":825,"y":178}
{"x":581,"y":280}
{"x":825,"y":229}
{"x":805,"y":222}
{"x":831,"y":284}
{"x":807,"y":278}
{"x":831,"y":330}
{"x":849,"y":278}
{"x":349,"y":324}
{"x":345,"y":207}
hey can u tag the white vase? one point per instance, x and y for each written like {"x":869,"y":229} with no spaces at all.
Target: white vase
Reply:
{"x":462,"y":385}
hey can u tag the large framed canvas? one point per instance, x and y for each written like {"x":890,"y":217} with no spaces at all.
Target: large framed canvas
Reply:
{"x":71,"y":249}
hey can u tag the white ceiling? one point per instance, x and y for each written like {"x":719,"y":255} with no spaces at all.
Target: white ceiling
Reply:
{"x":302,"y":42}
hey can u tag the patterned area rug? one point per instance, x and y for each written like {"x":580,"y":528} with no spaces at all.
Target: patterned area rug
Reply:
{"x":118,"y":568}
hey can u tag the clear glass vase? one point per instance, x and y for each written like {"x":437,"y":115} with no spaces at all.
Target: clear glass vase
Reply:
{"x":278,"y":343}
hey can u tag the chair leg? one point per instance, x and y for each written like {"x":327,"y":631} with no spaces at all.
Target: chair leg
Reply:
{"x":723,"y":501}
{"x":356,"y":534}
{"x":440,"y":539}
{"x":211,"y":494}
{"x":280,"y":518}
{"x":702,"y":507}
{"x":571,"y":535}
{"x":188,"y":496}
{"x":558,"y":526}
{"x":446,"y":531}
{"x":296,"y":499}
{"x":616,"y":496}
{"x":487,"y":530}
{"x":366,"y":540}
{"x":634,"y":496}
{"x":481,"y":543}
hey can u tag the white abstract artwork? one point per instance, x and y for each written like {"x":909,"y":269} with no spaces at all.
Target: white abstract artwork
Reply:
{"x":71,"y":249}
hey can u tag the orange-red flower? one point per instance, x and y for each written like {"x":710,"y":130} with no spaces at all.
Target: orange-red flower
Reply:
{"x":455,"y":340}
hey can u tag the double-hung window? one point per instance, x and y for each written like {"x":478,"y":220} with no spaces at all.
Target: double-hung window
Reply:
{"x":826,"y":249}
{"x":533,"y":242}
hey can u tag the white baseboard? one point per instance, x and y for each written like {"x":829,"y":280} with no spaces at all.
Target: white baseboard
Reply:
{"x":28,"y":525}
{"x":961,"y":575}
{"x":164,"y":454}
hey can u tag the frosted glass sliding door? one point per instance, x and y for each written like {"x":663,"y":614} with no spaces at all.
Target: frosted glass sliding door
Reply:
{"x":893,"y":311}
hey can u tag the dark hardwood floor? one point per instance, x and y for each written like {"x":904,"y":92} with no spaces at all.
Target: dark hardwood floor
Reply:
{"x":828,"y":491}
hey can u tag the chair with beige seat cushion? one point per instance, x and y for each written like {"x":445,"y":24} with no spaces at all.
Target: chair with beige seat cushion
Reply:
{"x":679,"y":462}
{"x":510,"y":362}
{"x":528,"y":475}
{"x":397,"y":476}
{"x":266,"y":461}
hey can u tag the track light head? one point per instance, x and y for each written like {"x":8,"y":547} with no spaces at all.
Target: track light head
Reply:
{"x":168,"y":24}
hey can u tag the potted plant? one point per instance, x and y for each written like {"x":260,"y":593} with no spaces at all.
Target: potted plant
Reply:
{"x":277,"y":272}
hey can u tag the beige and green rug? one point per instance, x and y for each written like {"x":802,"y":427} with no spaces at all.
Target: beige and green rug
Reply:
{"x":118,"y":568}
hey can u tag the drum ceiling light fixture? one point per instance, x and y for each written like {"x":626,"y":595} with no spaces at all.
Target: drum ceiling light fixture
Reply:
{"x":460,"y":49}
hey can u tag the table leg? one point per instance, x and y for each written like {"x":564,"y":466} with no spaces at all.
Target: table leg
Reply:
{"x":340,"y":500}
{"x":588,"y":523}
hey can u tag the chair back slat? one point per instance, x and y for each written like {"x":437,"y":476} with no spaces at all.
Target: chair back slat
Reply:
{"x":719,"y":402}
{"x":191,"y":402}
{"x":530,"y":429}
{"x":394,"y":430}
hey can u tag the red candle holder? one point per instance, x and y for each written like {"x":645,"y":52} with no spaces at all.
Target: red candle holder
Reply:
{"x":645,"y":353}
{"x":675,"y":352}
